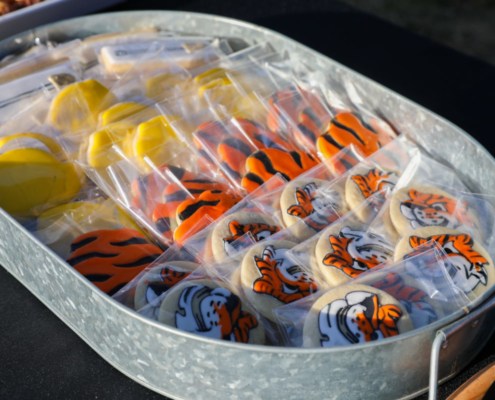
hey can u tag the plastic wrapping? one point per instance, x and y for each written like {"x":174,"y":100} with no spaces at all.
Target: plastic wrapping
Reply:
{"x":384,"y":302}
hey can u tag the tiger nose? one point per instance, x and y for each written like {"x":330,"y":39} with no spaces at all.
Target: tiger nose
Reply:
{"x":374,"y":336}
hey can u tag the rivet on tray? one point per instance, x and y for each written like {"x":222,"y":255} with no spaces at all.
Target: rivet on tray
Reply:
{"x":475,"y":323}
{"x":445,"y":344}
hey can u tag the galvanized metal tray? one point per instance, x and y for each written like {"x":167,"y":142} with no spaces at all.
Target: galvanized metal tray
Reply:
{"x":185,"y":366}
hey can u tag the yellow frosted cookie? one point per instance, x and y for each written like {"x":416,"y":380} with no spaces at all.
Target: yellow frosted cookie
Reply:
{"x":78,"y":105}
{"x":34,"y":177}
{"x":120,"y":111}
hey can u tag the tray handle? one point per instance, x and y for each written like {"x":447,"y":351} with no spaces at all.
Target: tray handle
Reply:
{"x":442,"y":337}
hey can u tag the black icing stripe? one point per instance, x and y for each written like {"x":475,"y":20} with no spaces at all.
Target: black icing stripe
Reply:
{"x":307,"y":132}
{"x":191,"y":209}
{"x":254,"y":178}
{"x":238,"y":145}
{"x":97,"y":277}
{"x":297,"y":158}
{"x":129,"y":242}
{"x":178,"y":172}
{"x":116,"y":288}
{"x":76,"y":260}
{"x":310,"y":113}
{"x":364,"y":123}
{"x":163,"y":225}
{"x":347,"y":129}
{"x":267,"y":163}
{"x":77,"y":245}
{"x":331,"y":140}
{"x":229,"y":171}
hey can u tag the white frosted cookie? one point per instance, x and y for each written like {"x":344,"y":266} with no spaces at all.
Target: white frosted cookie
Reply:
{"x":159,"y":279}
{"x":228,"y":235}
{"x":270,"y":279}
{"x":302,"y":199}
{"x":414,"y":207}
{"x":345,"y":250}
{"x":210,"y":309}
{"x":353,"y":314}
{"x":471,"y":267}
{"x":365,"y":182}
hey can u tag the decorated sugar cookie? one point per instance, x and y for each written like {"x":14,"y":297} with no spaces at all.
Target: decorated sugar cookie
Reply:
{"x":211,"y":203}
{"x":353,"y":314}
{"x":78,"y":105}
{"x":35,"y":174}
{"x":470,"y":266}
{"x":110,"y":259}
{"x":350,"y":128}
{"x":266,"y":163}
{"x":345,"y":250}
{"x":158,"y":280}
{"x":270,"y":279}
{"x":210,"y":309}
{"x":363,"y":184}
{"x":302,"y":199}
{"x":228,"y":236}
{"x":414,"y":207}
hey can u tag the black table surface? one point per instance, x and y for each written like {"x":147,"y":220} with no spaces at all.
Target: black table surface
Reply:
{"x":41,"y":358}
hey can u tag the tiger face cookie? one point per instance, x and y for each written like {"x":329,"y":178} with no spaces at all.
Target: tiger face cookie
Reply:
{"x":345,"y":250}
{"x":228,"y":236}
{"x":354,"y":314}
{"x":470,"y":266}
{"x":306,"y":200}
{"x":414,"y":207}
{"x":159,"y":279}
{"x":365,"y":183}
{"x":271,"y":279}
{"x":210,"y":309}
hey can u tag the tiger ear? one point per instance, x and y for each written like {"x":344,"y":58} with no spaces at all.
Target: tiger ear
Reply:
{"x":413,"y":194}
{"x":235,"y":227}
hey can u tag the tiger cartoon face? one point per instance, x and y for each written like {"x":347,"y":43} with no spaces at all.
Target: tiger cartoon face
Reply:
{"x":358,"y":318}
{"x":424,"y":209}
{"x":356,"y":251}
{"x":168,"y":277}
{"x":314,"y":208}
{"x":412,"y":299}
{"x":214,"y":313}
{"x":467,"y":267}
{"x":281,"y":278}
{"x":257,"y":231}
{"x":375,"y":181}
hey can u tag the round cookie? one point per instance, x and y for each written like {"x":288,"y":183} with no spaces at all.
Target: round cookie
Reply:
{"x":365,"y":182}
{"x":417,"y":206}
{"x":422,"y":309}
{"x":235,"y":226}
{"x":159,"y":279}
{"x":354,"y":314}
{"x":208,"y":308}
{"x":468,"y":257}
{"x":301,"y":200}
{"x":270,"y":279}
{"x":345,"y":250}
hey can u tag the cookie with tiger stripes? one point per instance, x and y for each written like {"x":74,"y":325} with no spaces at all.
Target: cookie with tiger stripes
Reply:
{"x":468,"y":263}
{"x":264,"y":164}
{"x":365,"y":183}
{"x":271,"y":279}
{"x":110,"y":259}
{"x":239,"y":230}
{"x":306,"y":202}
{"x":190,"y":213}
{"x":211,"y":309}
{"x":351,"y":128}
{"x":158,"y":279}
{"x":165,"y":212}
{"x":250,"y":136}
